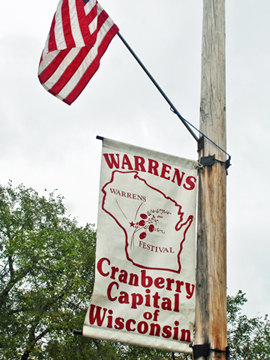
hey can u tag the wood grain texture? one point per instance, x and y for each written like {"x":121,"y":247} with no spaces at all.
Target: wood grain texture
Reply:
{"x":213,"y":77}
{"x":211,"y":310}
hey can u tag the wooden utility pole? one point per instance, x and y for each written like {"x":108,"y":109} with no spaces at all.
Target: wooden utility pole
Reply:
{"x":211,"y":309}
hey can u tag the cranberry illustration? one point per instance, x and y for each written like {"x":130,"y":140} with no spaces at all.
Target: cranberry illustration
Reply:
{"x":143,"y":216}
{"x":142,"y":223}
{"x":151,"y":228}
{"x":142,"y":235}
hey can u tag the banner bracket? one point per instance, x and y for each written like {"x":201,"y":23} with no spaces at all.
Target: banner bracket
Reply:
{"x":76,"y":332}
{"x":211,"y":160}
{"x":208,"y":160}
{"x":201,"y":350}
{"x":204,"y":350}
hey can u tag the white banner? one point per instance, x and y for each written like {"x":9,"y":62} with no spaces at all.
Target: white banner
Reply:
{"x":144,"y":292}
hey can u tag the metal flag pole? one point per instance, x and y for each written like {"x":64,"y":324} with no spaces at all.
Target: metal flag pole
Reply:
{"x":173,"y":108}
{"x":186,"y":123}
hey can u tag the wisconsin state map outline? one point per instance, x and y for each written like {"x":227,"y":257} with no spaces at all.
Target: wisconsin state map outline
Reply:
{"x":152,"y":222}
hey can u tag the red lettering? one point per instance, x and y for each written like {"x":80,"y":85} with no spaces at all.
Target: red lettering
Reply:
{"x":139,"y":163}
{"x":190,"y":180}
{"x":123,"y":298}
{"x":175,"y":330}
{"x":128,"y":327}
{"x":127,"y":162}
{"x":114,"y":270}
{"x":137,"y":299}
{"x":109,"y":291}
{"x":159,"y":282}
{"x":110,"y":319}
{"x":152,"y":167}
{"x":147,"y":297}
{"x":133,"y":279}
{"x":185,"y":335}
{"x":190,"y":291}
{"x":147,"y":281}
{"x":167,"y":332}
{"x":142,"y":327}
{"x":123,"y":277}
{"x":166,"y":304}
{"x":156,"y":297}
{"x":96,"y":316}
{"x":112,"y":162}
{"x":178,"y":177}
{"x":169,"y":283}
{"x":179,"y":285}
{"x":99,"y":266}
{"x":119,"y":323}
{"x":165,"y":170}
{"x":176,"y":302}
{"x":154,"y":329}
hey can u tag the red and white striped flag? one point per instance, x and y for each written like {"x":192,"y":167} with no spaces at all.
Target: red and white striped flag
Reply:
{"x":80,"y":33}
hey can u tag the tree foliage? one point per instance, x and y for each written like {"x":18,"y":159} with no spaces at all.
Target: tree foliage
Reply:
{"x":248,"y":339}
{"x":46,"y":279}
{"x":47,"y":267}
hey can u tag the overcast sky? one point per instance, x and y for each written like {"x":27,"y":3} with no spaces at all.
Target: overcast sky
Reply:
{"x":45,"y":143}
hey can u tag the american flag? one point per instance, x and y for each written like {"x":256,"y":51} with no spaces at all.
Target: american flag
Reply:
{"x":80,"y":33}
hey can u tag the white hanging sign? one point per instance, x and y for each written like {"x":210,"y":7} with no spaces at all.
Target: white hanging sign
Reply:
{"x":144,"y":292}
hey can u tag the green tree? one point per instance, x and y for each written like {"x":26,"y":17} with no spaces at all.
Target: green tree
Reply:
{"x":47,"y":272}
{"x":47,"y":267}
{"x":248,"y":339}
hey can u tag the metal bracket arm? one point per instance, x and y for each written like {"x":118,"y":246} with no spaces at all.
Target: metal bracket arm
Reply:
{"x":210,"y":161}
{"x":76,"y":332}
{"x":204,"y":351}
{"x":201,"y":350}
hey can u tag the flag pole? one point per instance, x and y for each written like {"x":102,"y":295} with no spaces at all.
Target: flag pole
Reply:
{"x":173,"y":108}
{"x":211,"y":310}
